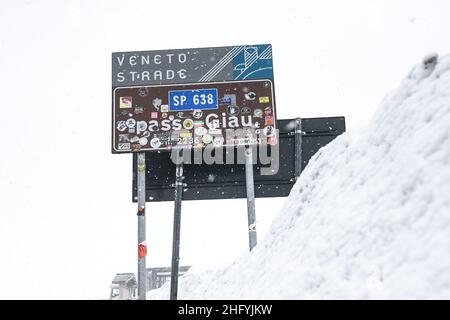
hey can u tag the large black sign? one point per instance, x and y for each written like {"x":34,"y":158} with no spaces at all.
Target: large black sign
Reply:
{"x":299,"y":140}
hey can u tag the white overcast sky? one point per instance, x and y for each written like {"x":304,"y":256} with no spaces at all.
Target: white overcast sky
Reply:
{"x":67,"y":224}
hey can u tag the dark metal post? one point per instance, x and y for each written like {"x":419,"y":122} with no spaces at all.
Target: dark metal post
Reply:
{"x":142,"y":246}
{"x":176,"y":226}
{"x":298,"y":147}
{"x":249,"y":181}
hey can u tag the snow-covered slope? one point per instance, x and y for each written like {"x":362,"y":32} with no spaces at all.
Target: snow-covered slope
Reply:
{"x":368,"y":218}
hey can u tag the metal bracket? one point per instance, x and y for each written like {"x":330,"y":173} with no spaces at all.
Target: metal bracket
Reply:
{"x":173,"y":185}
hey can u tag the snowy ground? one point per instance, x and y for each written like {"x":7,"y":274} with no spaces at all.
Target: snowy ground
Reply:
{"x":369,"y":217}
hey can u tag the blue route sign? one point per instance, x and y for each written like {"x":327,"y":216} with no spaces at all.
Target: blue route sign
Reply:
{"x":184,"y":100}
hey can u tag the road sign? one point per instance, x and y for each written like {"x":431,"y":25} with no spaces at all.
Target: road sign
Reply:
{"x":193,"y":115}
{"x":197,"y":65}
{"x":193,"y":97}
{"x":227,"y":181}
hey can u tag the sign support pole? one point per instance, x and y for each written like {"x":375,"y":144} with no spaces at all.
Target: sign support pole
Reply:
{"x":298,"y":147}
{"x":250,"y":196}
{"x":176,"y":226}
{"x":142,"y":247}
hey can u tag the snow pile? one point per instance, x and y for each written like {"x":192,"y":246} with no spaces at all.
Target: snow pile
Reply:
{"x":370,"y":216}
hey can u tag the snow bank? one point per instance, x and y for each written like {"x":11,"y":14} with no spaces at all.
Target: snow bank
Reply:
{"x":369,"y":217}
